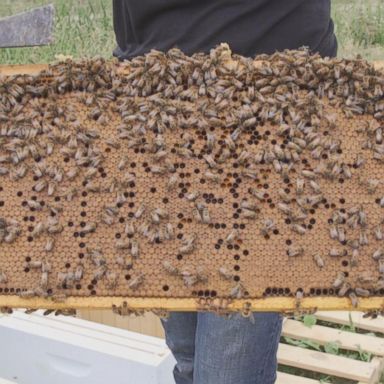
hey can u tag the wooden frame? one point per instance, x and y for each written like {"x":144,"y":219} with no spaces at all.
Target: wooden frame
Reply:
{"x":181,"y":304}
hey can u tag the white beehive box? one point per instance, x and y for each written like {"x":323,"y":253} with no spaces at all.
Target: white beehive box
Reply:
{"x":37,"y":349}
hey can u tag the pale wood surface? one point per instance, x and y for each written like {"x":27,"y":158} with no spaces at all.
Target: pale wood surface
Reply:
{"x":325,"y":363}
{"x":285,"y":378}
{"x":341,"y":317}
{"x":148,"y":324}
{"x":323,"y":335}
{"x":271,"y":304}
{"x":268,"y":304}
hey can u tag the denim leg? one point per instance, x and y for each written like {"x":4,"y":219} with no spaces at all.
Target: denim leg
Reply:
{"x":180,"y":331}
{"x":236,"y":351}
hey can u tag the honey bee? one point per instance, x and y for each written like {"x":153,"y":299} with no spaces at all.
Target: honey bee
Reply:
{"x":341,"y":234}
{"x":184,"y":152}
{"x":211,"y":140}
{"x":79,"y":272}
{"x":107,"y":219}
{"x":134,"y":247}
{"x":309,"y":174}
{"x":3,"y":278}
{"x":343,"y":290}
{"x":381,"y":265}
{"x":362,"y":292}
{"x":38,"y":229}
{"x":225,"y":273}
{"x":89,"y":227}
{"x":237,"y":292}
{"x":96,"y":256}
{"x":93,"y":187}
{"x":245,"y":204}
{"x":355,"y":258}
{"x":318,"y":260}
{"x":35,"y":264}
{"x":192,"y":196}
{"x":212,"y":177}
{"x":295,"y":251}
{"x":172,"y":270}
{"x":335,"y":252}
{"x":359,"y":162}
{"x":339,"y":280}
{"x":188,"y":244}
{"x":100,"y":272}
{"x":111,"y":279}
{"x":72,"y":173}
{"x":210,"y":161}
{"x":257,"y":193}
{"x":333,"y":232}
{"x":44,"y":280}
{"x":378,"y":254}
{"x":34,"y":204}
{"x":378,"y":232}
{"x":299,"y":229}
{"x":286,"y":209}
{"x":139,"y":212}
{"x":232,"y":236}
{"x":40,"y":186}
{"x":122,"y":244}
{"x":129,"y":228}
{"x":363,"y":238}
{"x":136,"y":282}
{"x":248,"y":214}
{"x":172,"y":182}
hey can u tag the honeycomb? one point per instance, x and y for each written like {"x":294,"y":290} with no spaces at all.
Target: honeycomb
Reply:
{"x":212,"y":175}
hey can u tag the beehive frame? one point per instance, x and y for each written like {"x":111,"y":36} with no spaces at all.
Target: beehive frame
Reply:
{"x":265,"y":304}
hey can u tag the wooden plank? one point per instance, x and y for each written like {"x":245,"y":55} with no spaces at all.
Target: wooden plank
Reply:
{"x":323,"y":335}
{"x":379,"y":366}
{"x":325,"y":363}
{"x":272,"y":304}
{"x":30,"y":69}
{"x":148,"y":324}
{"x":286,"y":378}
{"x":342,"y":317}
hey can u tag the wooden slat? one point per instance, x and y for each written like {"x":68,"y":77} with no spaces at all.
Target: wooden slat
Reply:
{"x":148,"y":324}
{"x":378,"y":363}
{"x":286,"y":378}
{"x":323,"y":335}
{"x":30,"y":69}
{"x":325,"y":363}
{"x":270,"y":304}
{"x":342,"y":317}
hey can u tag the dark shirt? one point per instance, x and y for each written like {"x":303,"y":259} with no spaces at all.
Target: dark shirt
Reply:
{"x":249,"y":26}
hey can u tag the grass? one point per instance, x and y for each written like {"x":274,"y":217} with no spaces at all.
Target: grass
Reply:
{"x":360,"y":28}
{"x":83,"y":28}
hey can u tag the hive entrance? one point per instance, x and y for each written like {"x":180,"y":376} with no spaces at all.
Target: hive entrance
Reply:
{"x":176,"y":176}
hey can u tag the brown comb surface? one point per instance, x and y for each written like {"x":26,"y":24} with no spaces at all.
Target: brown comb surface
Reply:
{"x":182,"y":177}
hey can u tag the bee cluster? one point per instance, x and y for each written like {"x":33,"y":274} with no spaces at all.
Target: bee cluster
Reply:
{"x":212,"y":176}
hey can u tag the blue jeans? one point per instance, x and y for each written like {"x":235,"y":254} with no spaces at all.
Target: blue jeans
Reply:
{"x":211,"y":349}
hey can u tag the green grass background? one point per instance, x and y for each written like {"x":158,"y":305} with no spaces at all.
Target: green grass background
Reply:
{"x":83,"y":28}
